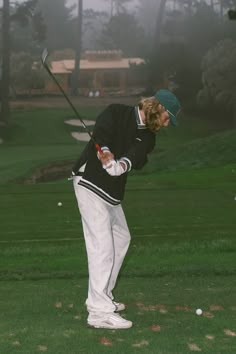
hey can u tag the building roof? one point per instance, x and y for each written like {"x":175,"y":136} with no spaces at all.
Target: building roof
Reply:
{"x":67,"y":66}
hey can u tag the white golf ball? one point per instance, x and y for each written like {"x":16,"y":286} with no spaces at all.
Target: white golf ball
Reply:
{"x":59,"y":204}
{"x":199,"y":312}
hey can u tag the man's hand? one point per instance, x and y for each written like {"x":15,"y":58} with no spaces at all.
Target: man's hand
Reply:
{"x":105,"y":157}
{"x":115,"y":167}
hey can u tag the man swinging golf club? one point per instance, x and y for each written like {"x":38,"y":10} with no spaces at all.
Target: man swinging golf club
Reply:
{"x":126,"y":135}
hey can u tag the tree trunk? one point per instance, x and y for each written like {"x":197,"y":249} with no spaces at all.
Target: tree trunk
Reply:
{"x":5,"y":83}
{"x":76,"y":71}
{"x":234,"y":113}
{"x":221,"y":11}
{"x":155,"y":73}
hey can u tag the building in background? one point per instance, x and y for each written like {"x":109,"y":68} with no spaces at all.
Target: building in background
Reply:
{"x":101,"y":72}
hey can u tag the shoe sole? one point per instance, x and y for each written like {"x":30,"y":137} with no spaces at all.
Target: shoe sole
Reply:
{"x":108,"y":327}
{"x":120,"y":309}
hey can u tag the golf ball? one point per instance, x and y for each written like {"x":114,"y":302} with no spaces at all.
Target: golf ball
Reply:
{"x":199,"y":312}
{"x":59,"y":204}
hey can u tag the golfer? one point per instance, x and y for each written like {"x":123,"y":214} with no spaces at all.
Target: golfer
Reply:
{"x":126,"y":135}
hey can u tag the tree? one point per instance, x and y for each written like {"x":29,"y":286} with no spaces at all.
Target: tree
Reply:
{"x":78,"y":47}
{"x":28,"y":29}
{"x":219,"y":78}
{"x":23,"y":14}
{"x":147,"y":14}
{"x":26,"y":74}
{"x":93,"y":25}
{"x":156,"y":75}
{"x":5,"y":109}
{"x":117,"y":6}
{"x":123,"y":32}
{"x":58,"y":20}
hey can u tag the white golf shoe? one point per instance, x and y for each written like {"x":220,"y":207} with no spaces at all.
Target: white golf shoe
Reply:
{"x":119,"y":306}
{"x":109,"y":320}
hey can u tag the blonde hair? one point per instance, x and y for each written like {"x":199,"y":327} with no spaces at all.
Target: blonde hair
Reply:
{"x":152,"y":110}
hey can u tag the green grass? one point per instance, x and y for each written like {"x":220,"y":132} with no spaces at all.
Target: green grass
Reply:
{"x":182,"y":254}
{"x":40,"y":136}
{"x":50,"y":315}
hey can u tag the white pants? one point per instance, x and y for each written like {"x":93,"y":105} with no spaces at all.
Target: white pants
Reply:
{"x":107,"y":240}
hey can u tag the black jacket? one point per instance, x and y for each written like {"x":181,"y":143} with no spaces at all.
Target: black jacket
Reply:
{"x":116,"y":128}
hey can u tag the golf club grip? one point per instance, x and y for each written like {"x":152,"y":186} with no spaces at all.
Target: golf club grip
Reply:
{"x":98,"y":148}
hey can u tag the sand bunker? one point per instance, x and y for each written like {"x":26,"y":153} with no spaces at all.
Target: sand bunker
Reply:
{"x":77,"y":122}
{"x":81,"y":136}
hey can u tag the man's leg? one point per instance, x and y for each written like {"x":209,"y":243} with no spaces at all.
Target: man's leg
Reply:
{"x":99,"y":245}
{"x":96,"y":218}
{"x":121,"y":237}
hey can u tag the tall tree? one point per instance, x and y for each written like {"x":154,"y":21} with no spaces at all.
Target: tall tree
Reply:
{"x":218,"y":79}
{"x":57,"y":17}
{"x":23,"y":13}
{"x":123,"y":32}
{"x":5,"y":83}
{"x":78,"y":47}
{"x":117,"y":6}
{"x":156,"y":76}
{"x":147,"y":13}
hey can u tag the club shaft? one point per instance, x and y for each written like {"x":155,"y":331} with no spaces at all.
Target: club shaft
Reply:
{"x":98,"y":148}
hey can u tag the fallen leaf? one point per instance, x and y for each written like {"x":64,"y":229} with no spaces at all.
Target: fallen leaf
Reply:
{"x":68,"y":333}
{"x":230,"y":333}
{"x":194,"y":347}
{"x":70,"y":306}
{"x":105,"y":341}
{"x":182,"y":308}
{"x":160,"y":306}
{"x":156,"y":328}
{"x":210,"y":337}
{"x":140,"y":344}
{"x":152,"y":308}
{"x":42,"y":348}
{"x":58,"y":305}
{"x":16,"y":343}
{"x":163,"y":311}
{"x":208,"y":314}
{"x":216,"y":308}
{"x":77,"y":317}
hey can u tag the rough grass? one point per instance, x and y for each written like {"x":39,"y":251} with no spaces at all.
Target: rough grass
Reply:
{"x":49,"y":316}
{"x":39,"y":136}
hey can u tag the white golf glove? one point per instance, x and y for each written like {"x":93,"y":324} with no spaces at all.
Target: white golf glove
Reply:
{"x":115,"y":167}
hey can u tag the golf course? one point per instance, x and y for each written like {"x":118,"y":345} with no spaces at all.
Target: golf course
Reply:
{"x":181,"y":212}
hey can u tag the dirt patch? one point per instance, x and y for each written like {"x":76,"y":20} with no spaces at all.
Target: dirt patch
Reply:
{"x":48,"y":173}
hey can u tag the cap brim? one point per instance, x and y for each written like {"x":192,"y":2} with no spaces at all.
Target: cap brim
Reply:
{"x":173,"y":119}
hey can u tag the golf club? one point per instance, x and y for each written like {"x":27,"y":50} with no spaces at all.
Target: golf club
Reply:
{"x":44,"y":62}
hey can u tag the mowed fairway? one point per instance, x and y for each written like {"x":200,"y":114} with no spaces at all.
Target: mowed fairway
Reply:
{"x":182,"y":257}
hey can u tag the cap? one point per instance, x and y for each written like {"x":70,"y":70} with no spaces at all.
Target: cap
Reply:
{"x":170,"y":102}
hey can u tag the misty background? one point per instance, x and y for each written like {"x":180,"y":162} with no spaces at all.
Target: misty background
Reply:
{"x":187,"y":46}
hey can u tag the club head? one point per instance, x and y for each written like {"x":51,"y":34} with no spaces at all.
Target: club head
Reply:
{"x":44,"y":56}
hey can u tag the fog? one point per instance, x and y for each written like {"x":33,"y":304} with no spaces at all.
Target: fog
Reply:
{"x":94,"y":4}
{"x":170,"y":40}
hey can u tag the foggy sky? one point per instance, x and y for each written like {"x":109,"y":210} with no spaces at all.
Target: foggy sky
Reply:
{"x":95,"y":4}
